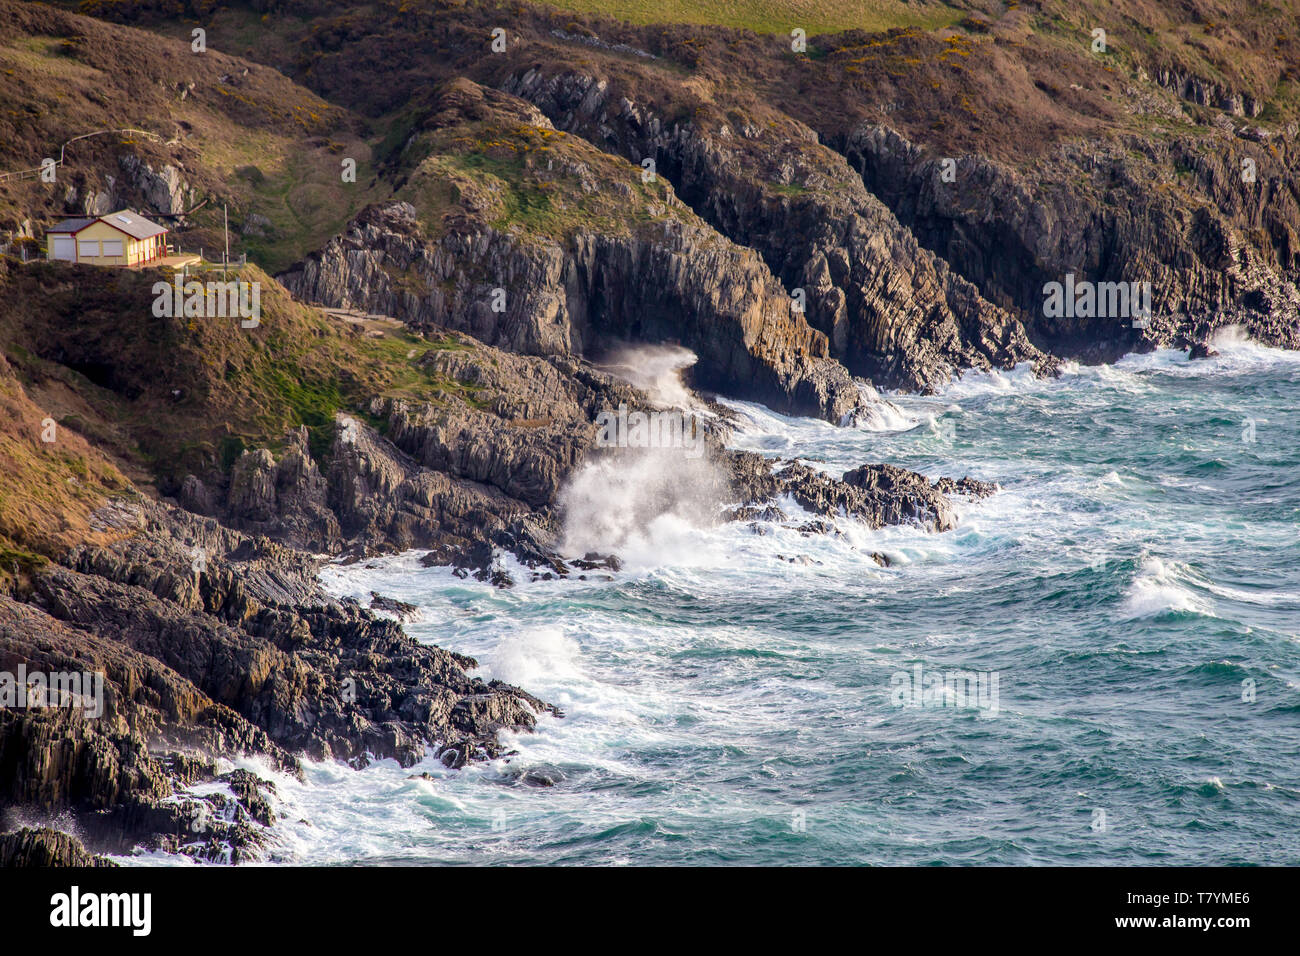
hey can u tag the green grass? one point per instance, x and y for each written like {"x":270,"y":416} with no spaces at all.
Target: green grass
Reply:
{"x":775,"y":16}
{"x":306,"y":201}
{"x":229,"y":450}
{"x":517,"y":194}
{"x":241,"y":388}
{"x":523,"y":201}
{"x":1284,"y":105}
{"x":24,"y":560}
{"x":410,"y":380}
{"x":17,"y":562}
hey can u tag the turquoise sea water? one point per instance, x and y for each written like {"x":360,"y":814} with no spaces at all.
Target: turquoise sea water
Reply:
{"x":724,"y":704}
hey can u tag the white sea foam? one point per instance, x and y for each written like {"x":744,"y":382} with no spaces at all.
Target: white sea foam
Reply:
{"x":878,"y":414}
{"x":973,"y":383}
{"x":535,"y":657}
{"x":1162,"y":587}
{"x":1238,"y":353}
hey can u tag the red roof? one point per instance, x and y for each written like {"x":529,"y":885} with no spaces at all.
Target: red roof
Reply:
{"x":124,"y":221}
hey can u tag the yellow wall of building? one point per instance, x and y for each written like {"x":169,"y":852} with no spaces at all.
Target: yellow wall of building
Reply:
{"x":134,"y":251}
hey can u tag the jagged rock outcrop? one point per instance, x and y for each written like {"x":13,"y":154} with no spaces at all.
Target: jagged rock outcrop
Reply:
{"x":891,"y":310}
{"x":658,"y":275}
{"x":288,"y":498}
{"x":877,"y":495}
{"x":45,"y":847}
{"x":163,"y":190}
{"x":209,"y":642}
{"x":322,"y":678}
{"x":1110,"y":212}
{"x":1203,"y":92}
{"x":118,"y":754}
{"x":137,"y":185}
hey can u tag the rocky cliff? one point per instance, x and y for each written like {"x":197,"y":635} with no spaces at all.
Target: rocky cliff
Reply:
{"x":891,"y":310}
{"x":547,"y":246}
{"x":888,"y":205}
{"x":922,"y":187}
{"x":213,"y":643}
{"x":196,"y":597}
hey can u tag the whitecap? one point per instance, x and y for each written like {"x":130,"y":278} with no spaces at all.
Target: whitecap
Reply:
{"x":1160,"y":587}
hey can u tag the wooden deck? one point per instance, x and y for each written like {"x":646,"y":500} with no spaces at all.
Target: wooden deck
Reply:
{"x":170,"y":262}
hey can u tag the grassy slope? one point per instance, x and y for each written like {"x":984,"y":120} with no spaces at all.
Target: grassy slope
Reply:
{"x":774,"y":16}
{"x":1009,"y":79}
{"x":164,"y":397}
{"x":481,"y":156}
{"x":48,"y":490}
{"x":255,"y":141}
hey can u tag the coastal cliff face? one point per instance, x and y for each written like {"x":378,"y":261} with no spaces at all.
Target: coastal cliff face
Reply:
{"x":832,"y":256}
{"x":533,"y":241}
{"x":885,"y":205}
{"x":923,"y":187}
{"x":1216,"y":250}
{"x":202,"y":611}
{"x":891,"y":311}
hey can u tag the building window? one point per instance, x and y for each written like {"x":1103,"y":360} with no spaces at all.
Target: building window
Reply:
{"x":88,"y":248}
{"x":112,"y":247}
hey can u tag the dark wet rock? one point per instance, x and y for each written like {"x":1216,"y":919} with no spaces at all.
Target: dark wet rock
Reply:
{"x":816,"y":526}
{"x":236,"y":652}
{"x":401,"y":609}
{"x":755,"y":513}
{"x":1201,"y":350}
{"x":252,"y":793}
{"x":441,"y":557}
{"x":878,"y":495}
{"x":454,"y":758}
{"x":117,"y":771}
{"x":497,"y":577}
{"x":897,"y":496}
{"x":542,"y":776}
{"x":967,"y":487}
{"x":591,"y":561}
{"x":45,"y":847}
